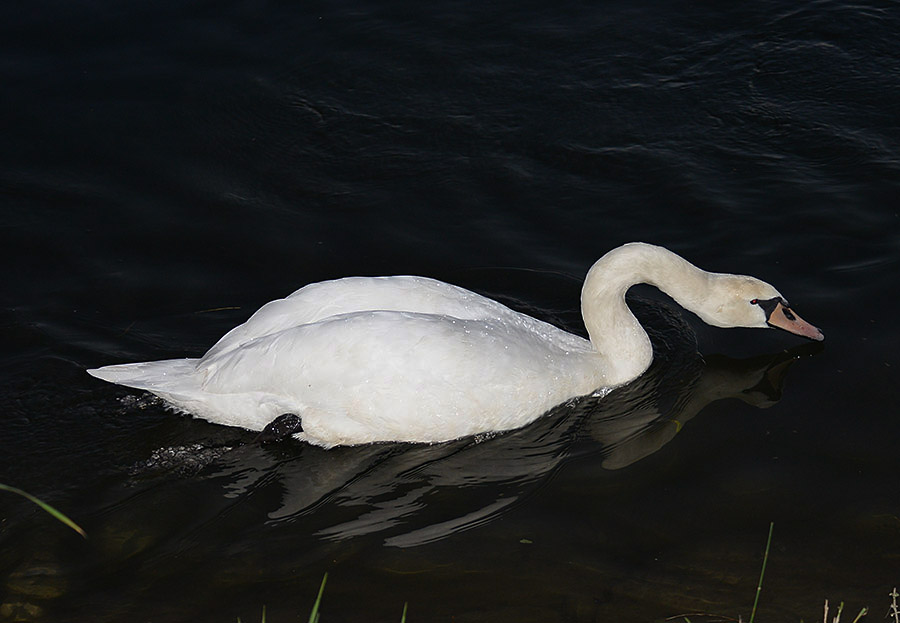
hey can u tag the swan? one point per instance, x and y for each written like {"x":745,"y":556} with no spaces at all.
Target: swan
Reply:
{"x":368,"y":359}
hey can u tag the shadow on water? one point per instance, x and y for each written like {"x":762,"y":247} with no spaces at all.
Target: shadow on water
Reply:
{"x":224,"y":512}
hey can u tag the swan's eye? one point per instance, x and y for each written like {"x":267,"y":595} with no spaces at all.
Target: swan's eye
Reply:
{"x":754,"y":302}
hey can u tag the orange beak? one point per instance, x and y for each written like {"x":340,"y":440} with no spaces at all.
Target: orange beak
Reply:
{"x":784,"y":318}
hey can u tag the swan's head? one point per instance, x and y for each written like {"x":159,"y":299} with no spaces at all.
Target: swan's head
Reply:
{"x":739,"y":301}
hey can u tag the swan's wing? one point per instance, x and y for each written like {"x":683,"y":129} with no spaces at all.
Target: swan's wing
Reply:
{"x":319,"y":301}
{"x":372,"y":376}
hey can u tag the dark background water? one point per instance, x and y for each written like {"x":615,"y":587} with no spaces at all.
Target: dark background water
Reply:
{"x":167,"y":167}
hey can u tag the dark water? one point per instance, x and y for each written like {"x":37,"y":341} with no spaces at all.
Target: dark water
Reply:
{"x":167,"y":167}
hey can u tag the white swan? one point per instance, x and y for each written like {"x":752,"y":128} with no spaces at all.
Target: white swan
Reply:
{"x":413,"y":359}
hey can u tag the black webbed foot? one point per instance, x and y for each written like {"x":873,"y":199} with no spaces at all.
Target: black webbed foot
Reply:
{"x":280,"y":429}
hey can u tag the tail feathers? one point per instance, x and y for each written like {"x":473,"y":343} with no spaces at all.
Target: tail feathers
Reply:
{"x":178,"y":382}
{"x":170,"y":376}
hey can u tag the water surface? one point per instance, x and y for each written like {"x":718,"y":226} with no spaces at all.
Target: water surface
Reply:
{"x":168,"y":167}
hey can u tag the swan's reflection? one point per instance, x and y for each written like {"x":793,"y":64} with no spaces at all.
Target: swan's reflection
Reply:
{"x":415,"y":494}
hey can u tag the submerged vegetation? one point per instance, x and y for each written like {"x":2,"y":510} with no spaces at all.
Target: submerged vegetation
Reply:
{"x":893,"y":614}
{"x":314,"y":613}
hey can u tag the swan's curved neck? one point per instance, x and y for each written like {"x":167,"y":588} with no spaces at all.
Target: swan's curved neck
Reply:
{"x":614,"y":331}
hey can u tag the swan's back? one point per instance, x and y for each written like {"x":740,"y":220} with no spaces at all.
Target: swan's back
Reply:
{"x":326,"y":299}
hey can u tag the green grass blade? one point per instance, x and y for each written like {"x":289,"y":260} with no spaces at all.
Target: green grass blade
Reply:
{"x":55,"y":513}
{"x":762,"y":572}
{"x":314,"y":615}
{"x":403,"y":616}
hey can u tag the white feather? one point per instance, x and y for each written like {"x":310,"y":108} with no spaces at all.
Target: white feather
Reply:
{"x":414,"y":359}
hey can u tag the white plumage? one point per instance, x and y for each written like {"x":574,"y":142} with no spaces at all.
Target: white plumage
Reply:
{"x":414,"y":359}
